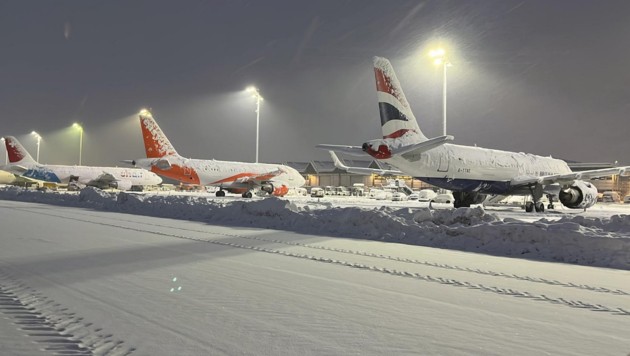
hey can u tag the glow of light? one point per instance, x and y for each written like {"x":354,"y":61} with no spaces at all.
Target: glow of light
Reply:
{"x":438,"y":61}
{"x":77,"y":126}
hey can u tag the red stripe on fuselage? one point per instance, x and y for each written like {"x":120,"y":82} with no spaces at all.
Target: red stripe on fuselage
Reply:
{"x":256,"y":176}
{"x":182,"y":174}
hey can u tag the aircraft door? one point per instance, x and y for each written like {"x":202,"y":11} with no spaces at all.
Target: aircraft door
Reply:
{"x":444,"y":161}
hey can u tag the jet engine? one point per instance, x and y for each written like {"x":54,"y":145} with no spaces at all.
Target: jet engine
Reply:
{"x":281,"y":191}
{"x":580,"y":195}
{"x":268,"y":188}
{"x":121,"y":184}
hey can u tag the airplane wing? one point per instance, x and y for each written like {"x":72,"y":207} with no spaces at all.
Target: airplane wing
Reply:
{"x":360,"y":170}
{"x":570,"y":177}
{"x":259,"y":178}
{"x":349,"y":150}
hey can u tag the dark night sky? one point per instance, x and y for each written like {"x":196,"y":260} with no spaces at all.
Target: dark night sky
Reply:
{"x":546,"y":77}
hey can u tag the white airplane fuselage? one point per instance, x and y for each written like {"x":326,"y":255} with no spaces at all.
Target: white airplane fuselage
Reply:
{"x":220,"y":173}
{"x":457,"y":167}
{"x":86,"y":174}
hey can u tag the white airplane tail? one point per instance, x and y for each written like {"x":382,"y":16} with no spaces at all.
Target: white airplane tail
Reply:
{"x":397,"y":119}
{"x":16,"y":152}
{"x":156,"y":144}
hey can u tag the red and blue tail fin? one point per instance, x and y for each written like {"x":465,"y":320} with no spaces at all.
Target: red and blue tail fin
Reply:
{"x":397,"y":119}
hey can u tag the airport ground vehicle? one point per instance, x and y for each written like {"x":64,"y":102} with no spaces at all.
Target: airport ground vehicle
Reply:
{"x":443,"y":198}
{"x":399,"y":196}
{"x":611,"y":196}
{"x":317,"y":192}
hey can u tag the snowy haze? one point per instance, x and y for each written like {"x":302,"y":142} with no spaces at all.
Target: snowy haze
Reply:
{"x":539,"y":77}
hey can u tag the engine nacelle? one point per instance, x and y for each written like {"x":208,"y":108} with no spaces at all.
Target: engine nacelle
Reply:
{"x":580,"y":195}
{"x":281,"y":191}
{"x":121,"y":184}
{"x":267,"y":188}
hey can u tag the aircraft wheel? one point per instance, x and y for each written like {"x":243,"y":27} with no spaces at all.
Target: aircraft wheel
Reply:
{"x":550,"y":206}
{"x":529,"y":207}
{"x":220,"y":193}
{"x":247,"y":195}
{"x":540,"y":207}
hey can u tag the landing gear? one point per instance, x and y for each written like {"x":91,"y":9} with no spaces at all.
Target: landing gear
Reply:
{"x":247,"y":194}
{"x":550,"y":205}
{"x":537,"y":193}
{"x":220,"y":193}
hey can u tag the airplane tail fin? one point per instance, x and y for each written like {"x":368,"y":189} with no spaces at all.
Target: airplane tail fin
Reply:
{"x":156,"y":144}
{"x":16,"y":152}
{"x":397,"y":119}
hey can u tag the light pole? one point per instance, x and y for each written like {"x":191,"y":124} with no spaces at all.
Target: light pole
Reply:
{"x":6,"y":152}
{"x":77,"y":126}
{"x":39,"y":140}
{"x":259,"y":98}
{"x":440,"y":59}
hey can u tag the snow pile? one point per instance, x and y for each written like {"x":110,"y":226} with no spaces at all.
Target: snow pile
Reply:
{"x":580,"y":240}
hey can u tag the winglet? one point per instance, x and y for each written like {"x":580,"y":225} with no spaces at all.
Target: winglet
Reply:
{"x":337,"y":161}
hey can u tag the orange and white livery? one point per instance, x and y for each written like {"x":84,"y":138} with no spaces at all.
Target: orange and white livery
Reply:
{"x":234,"y":177}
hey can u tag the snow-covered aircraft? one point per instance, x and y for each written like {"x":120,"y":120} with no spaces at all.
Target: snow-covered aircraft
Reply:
{"x":470,"y":172}
{"x":21,"y":163}
{"x":234,"y":177}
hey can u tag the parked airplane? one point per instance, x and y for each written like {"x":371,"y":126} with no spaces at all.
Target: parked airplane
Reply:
{"x":21,"y":163}
{"x":6,"y":177}
{"x":470,"y":172}
{"x":234,"y":177}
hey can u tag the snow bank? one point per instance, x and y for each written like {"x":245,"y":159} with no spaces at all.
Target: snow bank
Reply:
{"x":578,"y":239}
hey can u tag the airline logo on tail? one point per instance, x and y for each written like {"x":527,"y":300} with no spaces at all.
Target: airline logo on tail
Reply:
{"x":16,"y":151}
{"x":156,"y":144}
{"x":397,"y":119}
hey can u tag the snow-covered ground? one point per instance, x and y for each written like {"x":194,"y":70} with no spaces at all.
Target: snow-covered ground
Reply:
{"x":598,"y":237}
{"x":89,"y":280}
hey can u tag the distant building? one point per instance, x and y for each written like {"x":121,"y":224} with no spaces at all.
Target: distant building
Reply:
{"x":324,"y":173}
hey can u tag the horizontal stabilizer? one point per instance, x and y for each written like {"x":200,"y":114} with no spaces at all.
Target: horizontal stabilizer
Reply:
{"x":360,"y":170}
{"x":423,"y":146}
{"x":349,"y":150}
{"x":14,"y":168}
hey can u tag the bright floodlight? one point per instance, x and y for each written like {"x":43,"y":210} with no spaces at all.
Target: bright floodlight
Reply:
{"x":440,"y":52}
{"x":145,"y":112}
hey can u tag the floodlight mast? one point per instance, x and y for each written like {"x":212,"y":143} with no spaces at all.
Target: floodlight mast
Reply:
{"x":440,"y":58}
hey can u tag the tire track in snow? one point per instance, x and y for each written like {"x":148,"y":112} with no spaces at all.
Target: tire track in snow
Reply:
{"x":57,"y":330}
{"x":400,"y":259}
{"x":400,"y":273}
